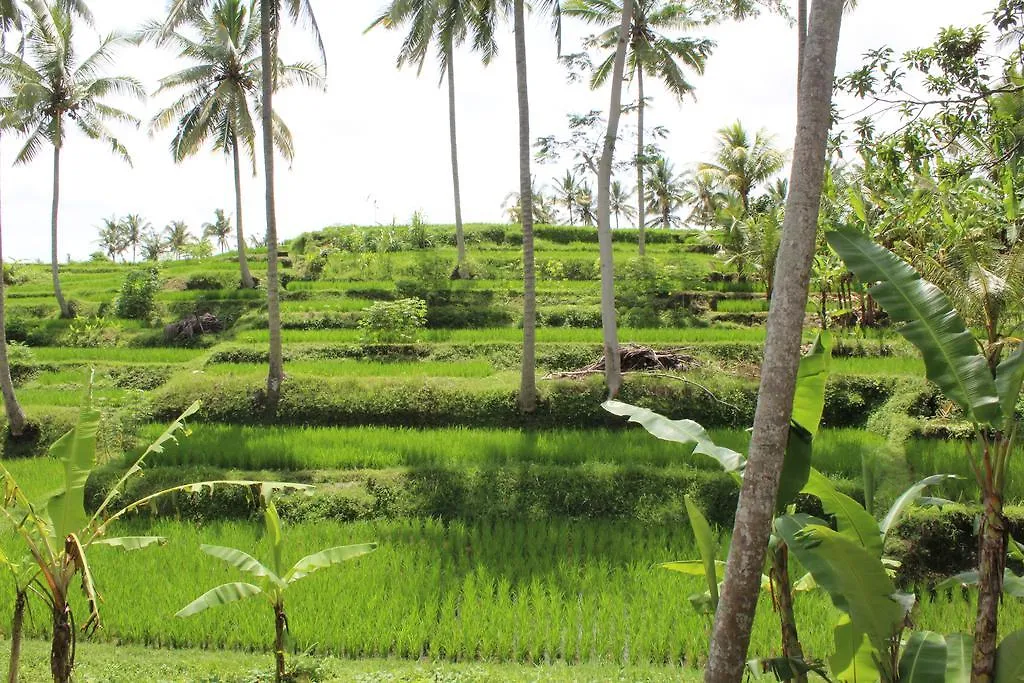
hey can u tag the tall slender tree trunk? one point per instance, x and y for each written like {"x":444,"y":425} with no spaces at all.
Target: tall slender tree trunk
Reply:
{"x":528,"y":383}
{"x":991,"y":565}
{"x":275,"y":376}
{"x":801,"y":38}
{"x":641,"y":211}
{"x":243,"y":261}
{"x":16,"y":419}
{"x":735,"y":615}
{"x":782,"y":589}
{"x":280,"y":627}
{"x":612,"y":359}
{"x":460,"y":237}
{"x":62,"y":647}
{"x":65,"y":310}
{"x":17,"y":627}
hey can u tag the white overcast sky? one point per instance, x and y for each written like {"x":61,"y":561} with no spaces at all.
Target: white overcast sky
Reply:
{"x":374,"y":147}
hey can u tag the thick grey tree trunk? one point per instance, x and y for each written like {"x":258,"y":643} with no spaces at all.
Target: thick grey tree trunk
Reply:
{"x":528,"y":383}
{"x":735,"y":615}
{"x":801,"y":38}
{"x":612,"y":360}
{"x":275,"y":376}
{"x":16,"y":419}
{"x":65,"y":310}
{"x":460,"y":238}
{"x":243,"y":261}
{"x":641,"y":209}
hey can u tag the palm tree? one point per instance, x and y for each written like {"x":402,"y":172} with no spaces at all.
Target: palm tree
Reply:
{"x":153,"y":247}
{"x":543,"y":207}
{"x":665,"y":194}
{"x":134,"y":227}
{"x":704,"y":192}
{"x":742,"y":163}
{"x":735,"y":615}
{"x":567,"y":192}
{"x":221,"y":88}
{"x":177,"y":237}
{"x":112,"y":237}
{"x":271,"y":12}
{"x":489,"y":11}
{"x":219,"y":230}
{"x":10,"y":17}
{"x":621,"y":202}
{"x":651,"y":53}
{"x":585,"y":200}
{"x":446,"y":23}
{"x":50,"y":89}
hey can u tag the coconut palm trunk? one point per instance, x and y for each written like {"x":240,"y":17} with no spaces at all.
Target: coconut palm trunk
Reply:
{"x":612,"y":359}
{"x":528,"y":383}
{"x":735,"y":615}
{"x":17,"y":628}
{"x":641,"y":209}
{"x":16,"y":419}
{"x":275,"y":375}
{"x":801,"y":37}
{"x":243,"y":261}
{"x":460,"y":238}
{"x":65,"y":310}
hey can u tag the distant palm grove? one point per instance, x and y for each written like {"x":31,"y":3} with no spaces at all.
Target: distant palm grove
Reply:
{"x":752,"y":415}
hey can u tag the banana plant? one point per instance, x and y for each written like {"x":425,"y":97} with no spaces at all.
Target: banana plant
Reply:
{"x":274,"y":581}
{"x":58,"y":533}
{"x":808,"y":406}
{"x":983,"y":377}
{"x":871,"y":638}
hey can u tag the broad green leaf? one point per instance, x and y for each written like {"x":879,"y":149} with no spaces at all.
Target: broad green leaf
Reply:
{"x":221,"y":595}
{"x":242,"y":561}
{"x":959,"y":653}
{"x":857,"y":204}
{"x":928,"y":320}
{"x":908,"y":497}
{"x":707,"y":544}
{"x":1010,"y":204}
{"x":680,"y":431}
{"x":854,"y":579}
{"x":1010,"y":659}
{"x":327,"y":558}
{"x":809,"y":400}
{"x":694,"y":568}
{"x":273,"y":522}
{"x":132,"y":542}
{"x":1009,"y":380}
{"x":76,"y":450}
{"x":1016,"y":550}
{"x":924,"y":658}
{"x":852,"y":520}
{"x":1013,"y":585}
{"x":854,"y":659}
{"x":796,"y":466}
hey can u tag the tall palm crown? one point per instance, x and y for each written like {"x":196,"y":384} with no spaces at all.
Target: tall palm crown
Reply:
{"x":221,"y":89}
{"x":441,"y":24}
{"x":742,"y":162}
{"x":219,"y":230}
{"x":48,"y":87}
{"x":665,"y":193}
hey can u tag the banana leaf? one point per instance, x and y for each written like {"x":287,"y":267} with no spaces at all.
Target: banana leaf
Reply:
{"x":924,"y":658}
{"x":928,"y":320}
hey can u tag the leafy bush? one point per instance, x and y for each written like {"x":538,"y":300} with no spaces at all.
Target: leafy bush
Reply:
{"x":137,"y":300}
{"x":22,"y":362}
{"x":208,"y":281}
{"x":90,"y":333}
{"x":394,"y":322}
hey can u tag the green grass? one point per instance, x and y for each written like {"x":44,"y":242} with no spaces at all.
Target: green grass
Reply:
{"x":528,"y":592}
{"x":893,"y":365}
{"x":101,"y":663}
{"x":544,"y":334}
{"x":930,"y":456}
{"x":63,"y":354}
{"x":361,"y":368}
{"x":837,"y":452}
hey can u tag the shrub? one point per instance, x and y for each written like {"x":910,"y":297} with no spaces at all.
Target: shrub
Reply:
{"x":394,"y":322}
{"x":90,"y":333}
{"x":208,"y":281}
{"x":137,"y":300}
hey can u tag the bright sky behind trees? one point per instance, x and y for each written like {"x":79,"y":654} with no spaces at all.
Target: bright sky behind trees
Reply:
{"x":374,"y":147}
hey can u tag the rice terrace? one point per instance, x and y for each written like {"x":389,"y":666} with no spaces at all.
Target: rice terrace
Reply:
{"x":721,"y":379}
